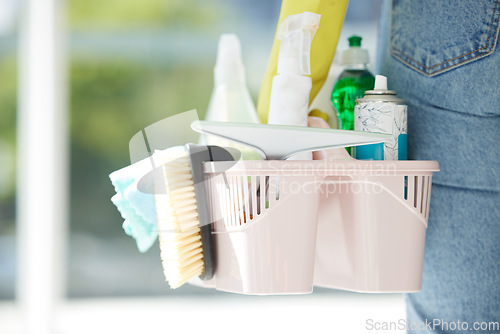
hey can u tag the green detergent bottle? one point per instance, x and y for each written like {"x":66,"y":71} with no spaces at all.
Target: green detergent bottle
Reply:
{"x":352,"y":83}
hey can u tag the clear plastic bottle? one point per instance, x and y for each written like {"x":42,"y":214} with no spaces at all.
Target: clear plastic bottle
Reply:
{"x":230,"y":100}
{"x":352,"y":83}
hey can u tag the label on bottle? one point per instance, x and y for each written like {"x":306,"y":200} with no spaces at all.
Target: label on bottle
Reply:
{"x":383,"y":117}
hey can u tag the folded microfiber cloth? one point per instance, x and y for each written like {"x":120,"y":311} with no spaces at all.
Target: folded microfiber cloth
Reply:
{"x":136,"y":207}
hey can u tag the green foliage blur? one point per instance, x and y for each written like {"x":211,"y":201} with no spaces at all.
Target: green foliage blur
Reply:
{"x":111,"y":102}
{"x":130,"y":64}
{"x":112,"y":98}
{"x":144,"y":14}
{"x":115,"y":92}
{"x":8,"y":99}
{"x":8,"y":107}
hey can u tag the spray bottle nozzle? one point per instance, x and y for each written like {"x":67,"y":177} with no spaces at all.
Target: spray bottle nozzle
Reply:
{"x":229,"y":65}
{"x":296,"y":34}
{"x":380,"y":82}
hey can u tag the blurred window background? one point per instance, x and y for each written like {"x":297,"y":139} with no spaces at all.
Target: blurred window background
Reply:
{"x":9,"y":11}
{"x":130,"y":64}
{"x":133,"y":63}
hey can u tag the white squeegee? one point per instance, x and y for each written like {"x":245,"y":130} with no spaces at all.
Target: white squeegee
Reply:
{"x":278,"y":142}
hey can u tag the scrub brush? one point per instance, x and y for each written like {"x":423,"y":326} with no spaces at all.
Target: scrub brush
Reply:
{"x":184,"y":222}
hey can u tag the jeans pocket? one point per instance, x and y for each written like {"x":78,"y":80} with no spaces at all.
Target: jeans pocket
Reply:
{"x":435,"y":36}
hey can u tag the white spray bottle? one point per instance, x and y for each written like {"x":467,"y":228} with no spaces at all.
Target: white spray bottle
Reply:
{"x":291,"y":87}
{"x":230,"y":100}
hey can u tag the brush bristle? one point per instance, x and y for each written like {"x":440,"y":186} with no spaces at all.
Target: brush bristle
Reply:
{"x":179,"y":228}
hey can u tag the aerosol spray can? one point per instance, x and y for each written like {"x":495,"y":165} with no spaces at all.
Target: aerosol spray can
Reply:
{"x":381,"y":111}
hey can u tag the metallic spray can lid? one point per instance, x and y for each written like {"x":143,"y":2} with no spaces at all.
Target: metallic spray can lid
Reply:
{"x":380,"y":91}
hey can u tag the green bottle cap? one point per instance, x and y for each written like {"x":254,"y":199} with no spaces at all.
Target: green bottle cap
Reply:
{"x":354,"y":54}
{"x":354,"y":40}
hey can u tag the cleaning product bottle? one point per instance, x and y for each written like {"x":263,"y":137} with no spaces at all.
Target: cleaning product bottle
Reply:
{"x":230,"y":100}
{"x":322,"y":106}
{"x":352,"y":83}
{"x":380,"y":110}
{"x":291,"y":87}
{"x":322,"y":50}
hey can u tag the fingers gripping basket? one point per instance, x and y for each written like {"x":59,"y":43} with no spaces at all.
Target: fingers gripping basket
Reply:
{"x":281,"y":227}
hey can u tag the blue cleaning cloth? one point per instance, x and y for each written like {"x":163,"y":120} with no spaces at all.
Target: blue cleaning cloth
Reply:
{"x":136,"y":207}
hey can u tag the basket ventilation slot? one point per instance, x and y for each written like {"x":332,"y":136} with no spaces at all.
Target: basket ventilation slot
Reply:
{"x":242,"y":199}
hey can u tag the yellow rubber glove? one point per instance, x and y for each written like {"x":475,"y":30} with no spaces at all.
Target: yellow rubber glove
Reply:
{"x":322,"y":48}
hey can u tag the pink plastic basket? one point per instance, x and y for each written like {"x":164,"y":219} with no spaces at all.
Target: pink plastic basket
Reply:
{"x":281,"y":227}
{"x":371,"y":227}
{"x":264,"y":245}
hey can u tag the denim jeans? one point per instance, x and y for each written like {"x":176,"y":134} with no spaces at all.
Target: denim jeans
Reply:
{"x":440,"y":57}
